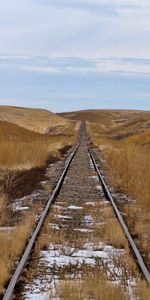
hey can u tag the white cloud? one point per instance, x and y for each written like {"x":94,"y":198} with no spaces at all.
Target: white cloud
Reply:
{"x":85,"y":4}
{"x":123,"y":67}
{"x":41,"y":69}
{"x":77,"y":28}
{"x":103,"y":66}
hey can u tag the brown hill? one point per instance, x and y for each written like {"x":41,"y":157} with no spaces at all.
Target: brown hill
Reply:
{"x":38,"y":120}
{"x":117,"y":123}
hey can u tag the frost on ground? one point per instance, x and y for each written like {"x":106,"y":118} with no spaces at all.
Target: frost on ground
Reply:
{"x":55,"y":259}
{"x":7,"y":229}
{"x":24,"y":202}
{"x":68,"y":256}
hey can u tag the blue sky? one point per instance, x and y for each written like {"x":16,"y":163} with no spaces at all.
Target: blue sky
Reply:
{"x":75,"y":54}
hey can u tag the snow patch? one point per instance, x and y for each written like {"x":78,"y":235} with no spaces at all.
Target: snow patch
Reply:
{"x":64,"y":217}
{"x":88,"y":219}
{"x":75,"y":207}
{"x":83,"y":230}
{"x":94,"y":177}
{"x":90,"y":203}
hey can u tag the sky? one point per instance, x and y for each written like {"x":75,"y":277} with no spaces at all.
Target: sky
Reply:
{"x":66,"y":55}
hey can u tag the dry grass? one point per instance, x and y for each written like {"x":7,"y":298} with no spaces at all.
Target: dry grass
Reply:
{"x":128,"y":167}
{"x":39,"y":120}
{"x":102,"y":116}
{"x":125,"y":148}
{"x":115,"y":235}
{"x":138,"y":220}
{"x":24,"y":149}
{"x":142,"y":290}
{"x":43,"y":240}
{"x":106,"y":226}
{"x":93,"y":286}
{"x":23,"y":156}
{"x":12,"y":243}
{"x":4,"y":210}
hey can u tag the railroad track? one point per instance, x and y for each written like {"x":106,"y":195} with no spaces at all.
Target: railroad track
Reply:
{"x":74,"y":188}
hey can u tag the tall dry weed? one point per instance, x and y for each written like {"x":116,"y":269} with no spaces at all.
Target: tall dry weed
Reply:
{"x":32,"y":150}
{"x":12,"y":243}
{"x":142,"y":290}
{"x":4,"y":209}
{"x":129,"y":171}
{"x":94,"y":287}
{"x":128,"y":162}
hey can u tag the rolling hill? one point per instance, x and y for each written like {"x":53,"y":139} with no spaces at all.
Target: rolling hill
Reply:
{"x":29,"y":136}
{"x":38,"y":120}
{"x":133,"y":125}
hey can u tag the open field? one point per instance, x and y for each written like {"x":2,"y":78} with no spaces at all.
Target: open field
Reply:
{"x":121,"y":139}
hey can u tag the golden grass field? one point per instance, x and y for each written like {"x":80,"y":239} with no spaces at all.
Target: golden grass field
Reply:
{"x":39,"y":120}
{"x":21,"y":148}
{"x":29,"y":136}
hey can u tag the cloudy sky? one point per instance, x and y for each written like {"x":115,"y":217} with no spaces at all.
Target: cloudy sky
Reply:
{"x":75,"y":54}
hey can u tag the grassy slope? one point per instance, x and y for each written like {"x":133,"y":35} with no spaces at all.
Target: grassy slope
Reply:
{"x":101,"y":115}
{"x":21,"y":148}
{"x":39,"y":120}
{"x":130,"y":125}
{"x":29,"y":136}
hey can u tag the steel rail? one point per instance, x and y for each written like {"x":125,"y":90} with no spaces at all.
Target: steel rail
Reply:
{"x":132,"y":244}
{"x":13,"y":281}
